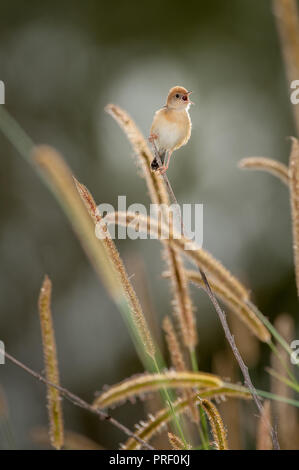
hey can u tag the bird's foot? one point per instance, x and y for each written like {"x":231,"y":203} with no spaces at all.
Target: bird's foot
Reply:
{"x":152,"y":137}
{"x":163,"y":169}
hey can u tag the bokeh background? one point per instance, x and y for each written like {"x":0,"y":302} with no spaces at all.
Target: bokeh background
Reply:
{"x":61,"y":63}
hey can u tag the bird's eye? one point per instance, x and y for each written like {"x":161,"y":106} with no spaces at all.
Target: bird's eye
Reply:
{"x":177,"y":95}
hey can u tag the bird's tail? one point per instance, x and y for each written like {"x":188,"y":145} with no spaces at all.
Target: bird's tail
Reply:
{"x":155,"y":164}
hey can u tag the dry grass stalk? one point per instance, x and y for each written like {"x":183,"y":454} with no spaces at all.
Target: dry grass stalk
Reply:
{"x":248,"y":344}
{"x":217,"y":426}
{"x":144,"y":156}
{"x":59,"y":178}
{"x":235,"y":304}
{"x":201,"y":257}
{"x":177,"y":360}
{"x":157,"y":422}
{"x":266,"y":164}
{"x":294,"y":192}
{"x":75,"y":400}
{"x":138,"y":385}
{"x":135,"y":263}
{"x":263,"y":438}
{"x":286,"y":13}
{"x":183,"y":308}
{"x":90,"y":204}
{"x":158,"y":194}
{"x":228,"y":335}
{"x":176,"y":443}
{"x":103,"y":256}
{"x":173,"y":344}
{"x":51,"y":365}
{"x":222,"y":317}
{"x":120,"y":270}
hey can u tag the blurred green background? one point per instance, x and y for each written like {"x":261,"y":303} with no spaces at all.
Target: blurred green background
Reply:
{"x":61,"y":63}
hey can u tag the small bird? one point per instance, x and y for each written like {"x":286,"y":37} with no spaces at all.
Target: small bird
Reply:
{"x":171,"y":127}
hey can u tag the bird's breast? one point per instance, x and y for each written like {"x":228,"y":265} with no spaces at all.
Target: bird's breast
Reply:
{"x":173,"y":131}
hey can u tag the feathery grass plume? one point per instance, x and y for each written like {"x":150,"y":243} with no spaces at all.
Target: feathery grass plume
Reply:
{"x":136,"y":311}
{"x":198,"y":255}
{"x":222,"y":317}
{"x":90,"y":204}
{"x":287,"y":419}
{"x":157,"y":422}
{"x":158,"y":194}
{"x":176,"y":443}
{"x":266,"y":164}
{"x":294,"y":192}
{"x":183,"y":308}
{"x":177,"y":360}
{"x":59,"y":178}
{"x":61,"y":181}
{"x":72,"y":440}
{"x":286,"y":13}
{"x":263,"y":437}
{"x":217,"y":426}
{"x":51,"y":365}
{"x":120,"y":270}
{"x":173,"y":344}
{"x":138,"y":385}
{"x":235,"y":304}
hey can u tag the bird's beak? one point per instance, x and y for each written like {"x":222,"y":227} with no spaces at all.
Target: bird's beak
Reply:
{"x":189,"y":93}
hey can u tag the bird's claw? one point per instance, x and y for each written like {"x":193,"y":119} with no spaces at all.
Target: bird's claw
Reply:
{"x":152,"y":137}
{"x":163,"y":169}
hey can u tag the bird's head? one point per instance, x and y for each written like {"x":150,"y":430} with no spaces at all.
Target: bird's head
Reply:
{"x":178,"y":98}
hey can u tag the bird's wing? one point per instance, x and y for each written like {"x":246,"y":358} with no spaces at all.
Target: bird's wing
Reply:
{"x":157,"y":120}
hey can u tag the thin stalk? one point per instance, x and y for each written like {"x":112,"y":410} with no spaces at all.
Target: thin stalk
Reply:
{"x":77,"y":400}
